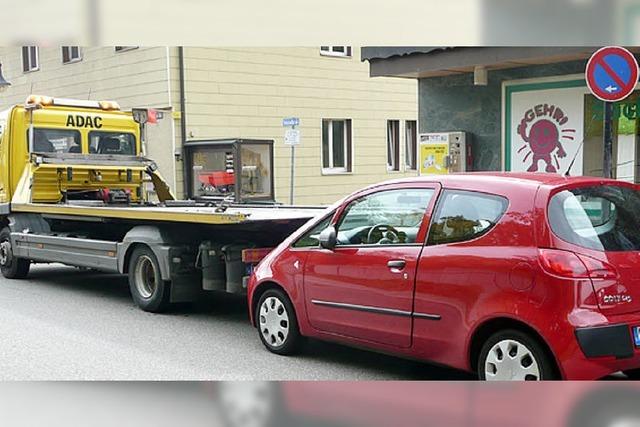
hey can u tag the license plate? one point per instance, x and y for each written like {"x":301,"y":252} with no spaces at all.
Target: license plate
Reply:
{"x":636,"y":335}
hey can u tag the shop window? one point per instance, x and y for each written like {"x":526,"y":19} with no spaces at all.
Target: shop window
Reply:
{"x":464,"y":215}
{"x":344,"y":51}
{"x":393,"y":145}
{"x":70,"y":54}
{"x":626,"y":138}
{"x":411,"y":144}
{"x":30,"y":60}
{"x":336,"y":145}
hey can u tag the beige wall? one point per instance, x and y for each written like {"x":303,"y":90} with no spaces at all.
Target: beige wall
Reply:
{"x":246,"y":92}
{"x":238,"y":92}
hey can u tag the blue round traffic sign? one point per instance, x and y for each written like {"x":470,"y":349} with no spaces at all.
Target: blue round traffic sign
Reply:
{"x":612,"y":73}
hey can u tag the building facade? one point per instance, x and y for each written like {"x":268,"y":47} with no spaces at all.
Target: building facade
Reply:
{"x":355,"y":130}
{"x":524,"y":109}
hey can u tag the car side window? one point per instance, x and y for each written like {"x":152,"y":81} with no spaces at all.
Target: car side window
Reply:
{"x":310,"y":238}
{"x":391,"y":217}
{"x":464,"y":215}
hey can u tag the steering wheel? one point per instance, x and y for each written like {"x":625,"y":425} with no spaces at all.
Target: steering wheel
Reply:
{"x":389,"y":234}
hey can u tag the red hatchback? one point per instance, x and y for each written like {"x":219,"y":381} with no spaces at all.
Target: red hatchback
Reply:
{"x":512,"y":276}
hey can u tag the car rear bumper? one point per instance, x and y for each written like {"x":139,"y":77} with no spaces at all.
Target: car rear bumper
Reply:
{"x":606,"y":341}
{"x":600,"y":350}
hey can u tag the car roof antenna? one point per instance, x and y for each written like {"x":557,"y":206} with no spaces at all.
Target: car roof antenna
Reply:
{"x":575,"y":156}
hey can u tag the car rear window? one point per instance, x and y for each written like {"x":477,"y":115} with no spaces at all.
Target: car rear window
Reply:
{"x":604,"y":218}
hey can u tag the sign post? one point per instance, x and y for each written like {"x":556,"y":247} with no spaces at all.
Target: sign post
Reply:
{"x":292,"y":138}
{"x":611,"y":74}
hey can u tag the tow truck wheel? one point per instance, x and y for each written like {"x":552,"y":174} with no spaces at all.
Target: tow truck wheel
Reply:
{"x":277,"y":323}
{"x":148,"y":290}
{"x":10,"y":266}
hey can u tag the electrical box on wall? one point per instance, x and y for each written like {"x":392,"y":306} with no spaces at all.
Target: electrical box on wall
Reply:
{"x":444,"y":152}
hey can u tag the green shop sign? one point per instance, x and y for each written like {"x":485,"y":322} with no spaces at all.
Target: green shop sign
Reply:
{"x":626,"y":113}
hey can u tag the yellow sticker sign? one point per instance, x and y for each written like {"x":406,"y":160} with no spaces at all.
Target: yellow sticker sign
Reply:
{"x":433,"y":159}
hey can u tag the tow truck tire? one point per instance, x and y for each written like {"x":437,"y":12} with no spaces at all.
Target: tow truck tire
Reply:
{"x":148,"y":290}
{"x":10,"y":266}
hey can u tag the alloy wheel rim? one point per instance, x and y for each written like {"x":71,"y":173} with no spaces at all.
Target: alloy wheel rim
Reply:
{"x":510,"y":360}
{"x":246,"y":403}
{"x":146,"y":277}
{"x":274,"y":322}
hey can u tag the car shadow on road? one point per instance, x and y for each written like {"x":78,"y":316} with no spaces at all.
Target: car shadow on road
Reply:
{"x":89,"y":282}
{"x":232,"y":309}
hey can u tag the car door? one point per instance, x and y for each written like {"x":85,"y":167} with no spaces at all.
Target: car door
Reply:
{"x":465,"y":265}
{"x":363,"y":288}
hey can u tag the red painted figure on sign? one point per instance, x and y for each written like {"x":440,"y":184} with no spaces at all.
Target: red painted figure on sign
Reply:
{"x":543,"y":139}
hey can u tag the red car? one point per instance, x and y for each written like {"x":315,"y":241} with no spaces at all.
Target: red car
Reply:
{"x":513,"y":276}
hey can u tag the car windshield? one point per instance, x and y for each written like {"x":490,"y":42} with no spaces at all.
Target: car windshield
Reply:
{"x":604,"y":218}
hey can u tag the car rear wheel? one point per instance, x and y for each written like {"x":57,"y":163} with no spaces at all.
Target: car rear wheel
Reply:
{"x":277,"y":323}
{"x":513,"y":355}
{"x":10,"y":266}
{"x":148,"y":290}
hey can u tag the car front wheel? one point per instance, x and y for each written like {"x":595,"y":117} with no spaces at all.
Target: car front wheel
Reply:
{"x":277,"y":323}
{"x":513,"y":355}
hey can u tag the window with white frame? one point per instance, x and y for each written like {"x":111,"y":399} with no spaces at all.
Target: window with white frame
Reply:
{"x":411,"y":144}
{"x":70,"y":54}
{"x":393,"y":145}
{"x":29,"y":58}
{"x":336,"y":145}
{"x":335,"y":50}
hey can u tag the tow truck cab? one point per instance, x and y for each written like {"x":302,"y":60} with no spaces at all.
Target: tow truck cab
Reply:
{"x":72,"y":132}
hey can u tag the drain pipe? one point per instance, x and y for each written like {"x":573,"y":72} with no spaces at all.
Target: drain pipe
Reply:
{"x":183,"y":122}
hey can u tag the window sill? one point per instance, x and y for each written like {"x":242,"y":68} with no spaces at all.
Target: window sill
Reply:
{"x":335,"y":55}
{"x":326,"y":171}
{"x":31,"y":70}
{"x":73,"y":61}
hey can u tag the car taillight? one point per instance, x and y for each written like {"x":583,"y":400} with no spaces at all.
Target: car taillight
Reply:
{"x":573,"y":266}
{"x":598,"y":270}
{"x":563,"y":264}
{"x":254,"y":256}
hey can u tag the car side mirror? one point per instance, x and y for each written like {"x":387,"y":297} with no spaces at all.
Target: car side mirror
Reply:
{"x":328,"y":238}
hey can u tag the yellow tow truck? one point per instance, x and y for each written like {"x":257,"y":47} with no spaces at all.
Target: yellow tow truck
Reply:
{"x":73,"y":190}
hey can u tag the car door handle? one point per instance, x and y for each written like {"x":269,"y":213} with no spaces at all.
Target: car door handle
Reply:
{"x":397,"y":264}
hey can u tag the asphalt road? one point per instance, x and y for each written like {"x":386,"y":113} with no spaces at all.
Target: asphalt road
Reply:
{"x":66,"y":324}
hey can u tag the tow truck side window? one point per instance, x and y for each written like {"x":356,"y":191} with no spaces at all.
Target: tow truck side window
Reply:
{"x":55,"y":141}
{"x":101,"y":142}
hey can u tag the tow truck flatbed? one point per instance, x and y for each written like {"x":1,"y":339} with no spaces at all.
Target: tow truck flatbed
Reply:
{"x":183,"y":214}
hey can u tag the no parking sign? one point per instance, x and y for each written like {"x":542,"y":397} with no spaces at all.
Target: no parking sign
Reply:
{"x":612,"y":73}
